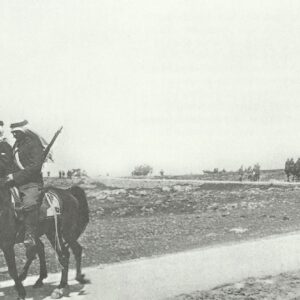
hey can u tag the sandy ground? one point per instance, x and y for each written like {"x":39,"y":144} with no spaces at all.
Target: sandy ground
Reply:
{"x":285,"y":286}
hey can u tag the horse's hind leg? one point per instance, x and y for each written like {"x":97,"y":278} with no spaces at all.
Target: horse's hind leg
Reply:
{"x":77,"y":251}
{"x":43,"y":267}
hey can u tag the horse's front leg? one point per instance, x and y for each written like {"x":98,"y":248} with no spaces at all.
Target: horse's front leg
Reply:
{"x":43,"y":269}
{"x":25,"y":269}
{"x":9,"y":254}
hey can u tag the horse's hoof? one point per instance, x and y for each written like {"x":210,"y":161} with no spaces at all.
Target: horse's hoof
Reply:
{"x":21,"y":298}
{"x":57,"y":293}
{"x":82,"y":280}
{"x":38,"y":284}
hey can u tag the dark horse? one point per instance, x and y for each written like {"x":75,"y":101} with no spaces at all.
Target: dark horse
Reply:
{"x":71,"y":224}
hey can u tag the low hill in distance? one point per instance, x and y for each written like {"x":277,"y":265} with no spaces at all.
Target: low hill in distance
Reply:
{"x":265,"y":175}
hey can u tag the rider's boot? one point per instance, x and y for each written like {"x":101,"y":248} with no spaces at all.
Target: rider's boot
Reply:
{"x":31,"y":228}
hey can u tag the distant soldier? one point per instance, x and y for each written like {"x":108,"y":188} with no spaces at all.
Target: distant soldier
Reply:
{"x":69,"y":174}
{"x":162,"y":173}
{"x":297,"y":170}
{"x":249,"y":172}
{"x":256,"y":172}
{"x":241,"y":173}
{"x":287,"y":169}
{"x":292,"y":169}
{"x":48,"y":174}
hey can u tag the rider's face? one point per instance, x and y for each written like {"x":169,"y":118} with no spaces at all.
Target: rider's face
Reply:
{"x":18,"y":135}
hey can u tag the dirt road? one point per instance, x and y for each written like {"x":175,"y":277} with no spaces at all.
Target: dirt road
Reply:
{"x":169,"y":275}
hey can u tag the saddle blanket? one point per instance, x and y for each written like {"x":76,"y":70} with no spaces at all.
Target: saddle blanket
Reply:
{"x":50,"y":205}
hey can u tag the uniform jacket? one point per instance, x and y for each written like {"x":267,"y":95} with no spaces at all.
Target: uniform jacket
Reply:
{"x":28,"y":159}
{"x":6,"y":158}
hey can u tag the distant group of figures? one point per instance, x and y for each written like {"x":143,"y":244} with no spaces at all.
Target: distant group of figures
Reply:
{"x":62,"y":174}
{"x":252,"y":174}
{"x":292,"y":169}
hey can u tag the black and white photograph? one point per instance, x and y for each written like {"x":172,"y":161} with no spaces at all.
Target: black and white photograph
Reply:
{"x":150,"y":150}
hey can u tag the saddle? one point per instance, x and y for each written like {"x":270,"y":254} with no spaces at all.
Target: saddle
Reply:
{"x":50,"y":207}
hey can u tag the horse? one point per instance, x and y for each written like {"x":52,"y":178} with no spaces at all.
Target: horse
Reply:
{"x":62,"y":232}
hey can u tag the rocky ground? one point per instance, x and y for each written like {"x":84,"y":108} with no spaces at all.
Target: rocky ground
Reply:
{"x":285,"y":286}
{"x":131,"y":219}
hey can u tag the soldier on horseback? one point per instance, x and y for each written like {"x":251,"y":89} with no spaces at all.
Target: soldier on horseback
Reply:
{"x":28,"y":151}
{"x":27,"y":157}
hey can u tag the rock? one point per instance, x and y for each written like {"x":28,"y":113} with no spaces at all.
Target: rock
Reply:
{"x":100,"y":211}
{"x":88,"y":186}
{"x":274,"y":189}
{"x":146,"y":210}
{"x":214,"y":206}
{"x":101,"y":196}
{"x":118,"y":192}
{"x":254,"y":191}
{"x":238,"y":230}
{"x":121,"y":212}
{"x":93,"y":193}
{"x":132,"y":196}
{"x":142,"y":193}
{"x":244,"y":204}
{"x":234,"y":205}
{"x":211,"y":234}
{"x":239,"y":285}
{"x":230,"y":206}
{"x":166,"y":189}
{"x":225,"y":214}
{"x":181,"y":188}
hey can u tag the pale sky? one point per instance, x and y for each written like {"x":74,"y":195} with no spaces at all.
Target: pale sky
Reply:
{"x":181,"y":85}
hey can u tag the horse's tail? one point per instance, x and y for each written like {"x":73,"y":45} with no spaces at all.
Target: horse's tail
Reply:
{"x":79,"y":194}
